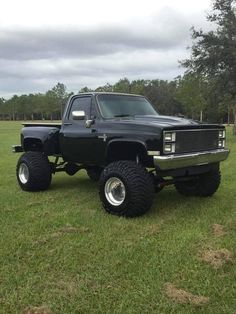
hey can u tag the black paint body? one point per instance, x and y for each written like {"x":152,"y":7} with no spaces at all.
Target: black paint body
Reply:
{"x":106,"y":139}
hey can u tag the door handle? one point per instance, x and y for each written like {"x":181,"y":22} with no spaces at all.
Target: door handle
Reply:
{"x":93,"y":131}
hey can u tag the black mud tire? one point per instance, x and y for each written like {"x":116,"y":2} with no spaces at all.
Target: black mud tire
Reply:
{"x":39,"y":172}
{"x":94,"y":173}
{"x":139,"y":188}
{"x":204,"y":185}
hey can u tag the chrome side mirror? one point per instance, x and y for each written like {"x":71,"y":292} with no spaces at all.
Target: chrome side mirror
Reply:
{"x":78,"y":115}
{"x":88,"y":123}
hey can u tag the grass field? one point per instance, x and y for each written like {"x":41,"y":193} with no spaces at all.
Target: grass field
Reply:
{"x":61,"y":253}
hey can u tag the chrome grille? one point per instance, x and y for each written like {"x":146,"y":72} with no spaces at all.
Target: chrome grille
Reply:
{"x":196,"y":140}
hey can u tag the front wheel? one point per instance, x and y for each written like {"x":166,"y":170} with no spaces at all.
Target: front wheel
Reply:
{"x":33,"y":172}
{"x":204,"y":185}
{"x":126,"y":189}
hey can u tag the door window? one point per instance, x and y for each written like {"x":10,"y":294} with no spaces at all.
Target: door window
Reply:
{"x":81,"y":103}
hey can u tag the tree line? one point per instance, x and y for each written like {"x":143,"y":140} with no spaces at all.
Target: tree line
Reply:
{"x":39,"y":106}
{"x":188,"y":96}
{"x":206,"y":91}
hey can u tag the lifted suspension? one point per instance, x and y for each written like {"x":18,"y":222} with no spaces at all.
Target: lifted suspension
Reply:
{"x":68,"y":167}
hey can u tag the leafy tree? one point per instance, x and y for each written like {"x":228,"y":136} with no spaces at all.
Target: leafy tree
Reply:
{"x":106,"y":88}
{"x":85,"y":90}
{"x":180,"y":96}
{"x":122,"y":86}
{"x":191,"y":93}
{"x":138,"y":86}
{"x":2,"y":107}
{"x":2,"y":101}
{"x":56,"y":98}
{"x":11,"y":107}
{"x":213,"y":53}
{"x":162,"y":95}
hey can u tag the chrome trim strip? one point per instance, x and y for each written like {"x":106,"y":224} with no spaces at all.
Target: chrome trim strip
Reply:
{"x":188,"y":160}
{"x":195,"y":130}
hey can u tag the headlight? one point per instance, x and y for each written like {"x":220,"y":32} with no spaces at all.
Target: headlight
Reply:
{"x":221,"y":141}
{"x":222,"y":134}
{"x":169,"y":136}
{"x":169,"y":148}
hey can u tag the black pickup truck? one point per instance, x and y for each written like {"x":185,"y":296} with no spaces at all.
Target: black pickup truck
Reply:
{"x":125,"y":144}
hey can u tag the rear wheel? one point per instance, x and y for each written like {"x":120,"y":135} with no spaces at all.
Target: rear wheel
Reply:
{"x":126,"y":189}
{"x":204,"y":185}
{"x":33,"y":172}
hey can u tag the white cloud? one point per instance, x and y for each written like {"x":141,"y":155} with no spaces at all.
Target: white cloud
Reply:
{"x":79,"y":12}
{"x":92,"y":42}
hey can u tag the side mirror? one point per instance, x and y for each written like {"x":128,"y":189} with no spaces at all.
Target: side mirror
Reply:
{"x":89,"y":123}
{"x":78,"y":115}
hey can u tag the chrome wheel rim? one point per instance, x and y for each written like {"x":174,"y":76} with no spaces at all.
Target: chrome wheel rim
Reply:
{"x":23,"y":173}
{"x":115,"y":191}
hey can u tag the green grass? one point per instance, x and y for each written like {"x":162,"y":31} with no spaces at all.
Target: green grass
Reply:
{"x":108,"y":264}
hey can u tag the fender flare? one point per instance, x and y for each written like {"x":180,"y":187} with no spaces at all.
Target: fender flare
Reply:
{"x":125,"y":141}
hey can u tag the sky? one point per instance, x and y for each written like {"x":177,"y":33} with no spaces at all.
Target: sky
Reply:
{"x":91,"y":43}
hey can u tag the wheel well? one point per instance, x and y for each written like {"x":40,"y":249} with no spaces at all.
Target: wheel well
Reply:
{"x":32,"y":144}
{"x":127,"y":151}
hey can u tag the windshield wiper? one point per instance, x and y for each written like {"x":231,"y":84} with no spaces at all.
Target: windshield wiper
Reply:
{"x":122,"y":115}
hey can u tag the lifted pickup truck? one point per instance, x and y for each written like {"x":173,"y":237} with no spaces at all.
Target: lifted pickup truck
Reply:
{"x":122,"y":141}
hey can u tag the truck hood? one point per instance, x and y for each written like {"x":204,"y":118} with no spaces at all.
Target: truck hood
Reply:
{"x":153,"y":124}
{"x":159,"y":121}
{"x":167,"y":121}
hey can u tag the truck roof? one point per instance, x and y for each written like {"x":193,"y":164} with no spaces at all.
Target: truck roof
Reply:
{"x":107,"y":93}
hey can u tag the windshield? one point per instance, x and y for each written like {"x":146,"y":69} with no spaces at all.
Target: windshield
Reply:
{"x":112,"y":106}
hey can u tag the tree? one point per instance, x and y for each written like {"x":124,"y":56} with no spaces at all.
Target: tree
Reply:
{"x":85,"y":90}
{"x":122,"y":86}
{"x":162,"y":95}
{"x":2,"y":108}
{"x":213,"y":53}
{"x":11,"y":107}
{"x":191,"y":93}
{"x":138,"y":87}
{"x":56,"y":98}
{"x":106,"y":88}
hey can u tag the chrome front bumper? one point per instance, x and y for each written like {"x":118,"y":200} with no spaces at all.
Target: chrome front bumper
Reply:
{"x":187,"y":160}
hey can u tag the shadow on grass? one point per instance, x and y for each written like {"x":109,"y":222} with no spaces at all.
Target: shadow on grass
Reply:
{"x":68,"y":183}
{"x":167,"y":201}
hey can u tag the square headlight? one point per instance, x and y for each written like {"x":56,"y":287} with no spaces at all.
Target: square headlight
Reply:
{"x":169,"y":148}
{"x":221,"y":133}
{"x":221,"y":143}
{"x":169,"y":136}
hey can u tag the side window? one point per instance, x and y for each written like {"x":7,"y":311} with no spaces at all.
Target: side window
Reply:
{"x":81,"y":103}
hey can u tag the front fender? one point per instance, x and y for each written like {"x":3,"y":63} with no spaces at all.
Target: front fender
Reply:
{"x":126,"y":149}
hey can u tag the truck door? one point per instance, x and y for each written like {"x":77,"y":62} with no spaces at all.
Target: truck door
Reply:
{"x":76,"y":139}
